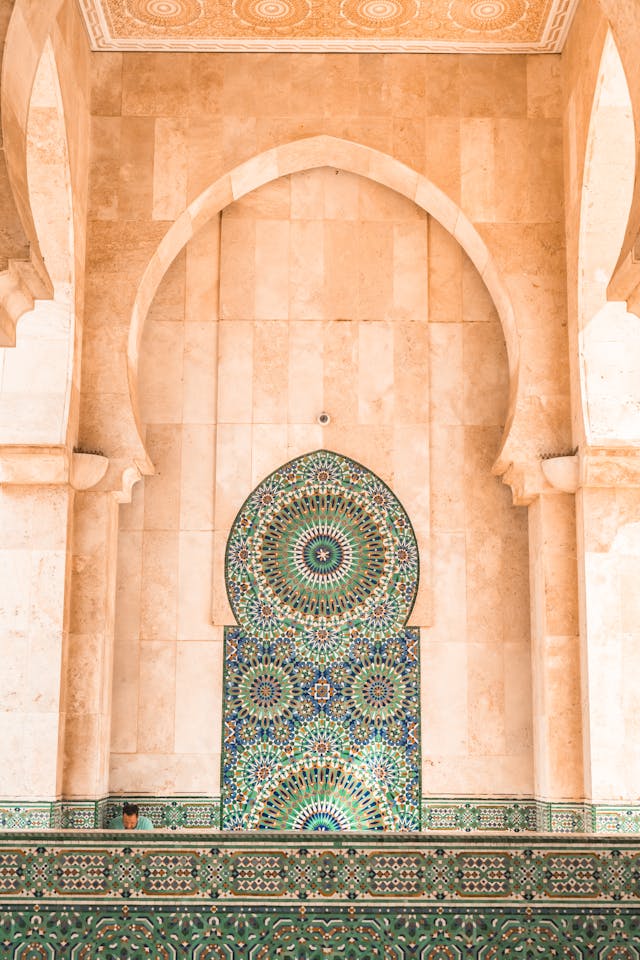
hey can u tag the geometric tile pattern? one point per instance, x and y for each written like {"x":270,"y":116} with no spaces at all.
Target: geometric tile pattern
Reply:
{"x":352,"y":868}
{"x":614,"y":818}
{"x":318,"y":933}
{"x":438,"y":814}
{"x":462,"y":25}
{"x":171,"y":813}
{"x":321,"y":677}
{"x":222,"y":896}
{"x":166,"y":813}
{"x":476,"y":815}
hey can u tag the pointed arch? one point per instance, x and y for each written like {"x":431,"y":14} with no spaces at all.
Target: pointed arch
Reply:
{"x":23,"y":275}
{"x":297,"y":156}
{"x":607,"y":376}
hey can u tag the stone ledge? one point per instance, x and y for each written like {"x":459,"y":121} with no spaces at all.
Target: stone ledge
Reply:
{"x":58,"y":867}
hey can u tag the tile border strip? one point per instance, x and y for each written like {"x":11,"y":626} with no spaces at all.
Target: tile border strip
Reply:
{"x":289,"y":867}
{"x":450,"y":814}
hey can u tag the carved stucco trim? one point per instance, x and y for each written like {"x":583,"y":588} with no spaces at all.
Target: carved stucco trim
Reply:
{"x":552,"y":39}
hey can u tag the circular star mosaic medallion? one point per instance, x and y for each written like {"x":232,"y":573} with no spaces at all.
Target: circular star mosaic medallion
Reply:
{"x":322,"y":544}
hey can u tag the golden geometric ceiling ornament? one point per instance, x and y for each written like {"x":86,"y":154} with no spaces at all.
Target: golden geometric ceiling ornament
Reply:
{"x":487,"y":15}
{"x":330,"y":26}
{"x":379,"y":14}
{"x":277,"y":14}
{"x":164,"y":13}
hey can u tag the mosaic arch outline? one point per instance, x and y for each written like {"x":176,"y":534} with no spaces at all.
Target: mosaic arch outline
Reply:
{"x":321,"y":675}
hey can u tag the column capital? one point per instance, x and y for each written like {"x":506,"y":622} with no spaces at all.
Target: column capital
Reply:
{"x":597,"y":466}
{"x":29,"y":465}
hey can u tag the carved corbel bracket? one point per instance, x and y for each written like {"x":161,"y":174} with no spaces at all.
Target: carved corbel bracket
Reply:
{"x":591,"y":467}
{"x":21,"y":284}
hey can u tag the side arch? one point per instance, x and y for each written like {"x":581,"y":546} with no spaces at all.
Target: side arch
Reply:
{"x":294,"y":157}
{"x":608,"y":378}
{"x":624,"y":22}
{"x":35,"y":397}
{"x":23,"y":275}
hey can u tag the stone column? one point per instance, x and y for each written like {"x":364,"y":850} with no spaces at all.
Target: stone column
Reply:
{"x":608,"y":512}
{"x":89,"y":673}
{"x":555,"y":649}
{"x":90,"y":661}
{"x":36,"y":503}
{"x":555,"y":640}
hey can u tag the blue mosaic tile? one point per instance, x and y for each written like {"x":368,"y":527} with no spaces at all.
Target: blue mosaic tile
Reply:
{"x":321,"y":688}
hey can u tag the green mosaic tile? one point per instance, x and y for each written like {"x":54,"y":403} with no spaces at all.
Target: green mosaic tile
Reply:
{"x":318,"y":933}
{"x":321,"y":688}
{"x":615,"y":818}
{"x":26,"y":816}
{"x":474,"y":815}
{"x":211,"y":867}
{"x":264,"y":896}
{"x":562,"y":817}
{"x":169,"y":813}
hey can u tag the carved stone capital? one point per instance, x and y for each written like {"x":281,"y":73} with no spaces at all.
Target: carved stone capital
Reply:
{"x":591,"y":467}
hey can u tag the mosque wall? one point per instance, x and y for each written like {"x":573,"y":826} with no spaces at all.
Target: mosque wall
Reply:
{"x":485,"y":130}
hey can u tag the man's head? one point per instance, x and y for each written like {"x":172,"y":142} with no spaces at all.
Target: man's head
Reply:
{"x":130,"y":815}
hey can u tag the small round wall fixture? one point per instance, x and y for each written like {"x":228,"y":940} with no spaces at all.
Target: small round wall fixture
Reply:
{"x":324,"y":419}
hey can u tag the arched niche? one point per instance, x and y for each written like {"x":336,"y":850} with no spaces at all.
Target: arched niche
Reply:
{"x":212,"y":452}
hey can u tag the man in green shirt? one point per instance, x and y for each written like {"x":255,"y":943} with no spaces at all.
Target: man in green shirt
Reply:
{"x":130,"y":819}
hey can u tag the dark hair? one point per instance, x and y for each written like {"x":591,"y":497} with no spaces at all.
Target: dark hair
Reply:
{"x":128,"y":809}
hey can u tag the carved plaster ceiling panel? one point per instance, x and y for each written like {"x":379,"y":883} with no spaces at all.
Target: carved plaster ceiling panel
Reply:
{"x":457,"y":26}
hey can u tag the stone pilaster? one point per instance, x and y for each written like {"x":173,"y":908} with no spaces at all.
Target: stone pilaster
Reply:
{"x":36,"y":504}
{"x":608,"y":520}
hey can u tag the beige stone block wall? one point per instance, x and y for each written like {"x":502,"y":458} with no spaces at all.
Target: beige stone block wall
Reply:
{"x":39,"y":393}
{"x":605,"y":356}
{"x":419,"y":109}
{"x":167,"y":672}
{"x":609,"y":543}
{"x":335,"y":322}
{"x":476,"y":670}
